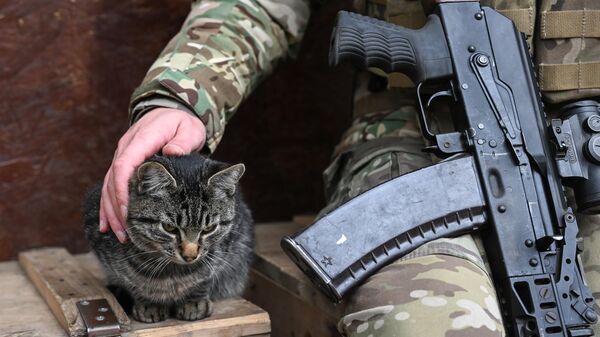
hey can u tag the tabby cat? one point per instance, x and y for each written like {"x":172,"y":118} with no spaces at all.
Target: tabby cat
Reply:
{"x":190,"y":238}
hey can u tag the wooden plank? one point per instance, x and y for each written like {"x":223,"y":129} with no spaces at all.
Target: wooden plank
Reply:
{"x":232,"y":317}
{"x":291,"y":315}
{"x":273,"y":263}
{"x":304,"y":219}
{"x":63,"y":282}
{"x":22,"y":310}
{"x":92,"y":264}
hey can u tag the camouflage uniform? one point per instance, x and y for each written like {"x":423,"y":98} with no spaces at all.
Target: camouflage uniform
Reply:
{"x":225,"y":48}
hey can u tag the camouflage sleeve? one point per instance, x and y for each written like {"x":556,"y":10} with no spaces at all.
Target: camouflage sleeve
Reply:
{"x":224,"y":49}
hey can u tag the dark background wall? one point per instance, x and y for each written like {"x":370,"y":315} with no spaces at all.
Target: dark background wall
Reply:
{"x":67,"y":68}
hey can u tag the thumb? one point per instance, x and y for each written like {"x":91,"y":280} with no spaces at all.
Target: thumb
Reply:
{"x":173,"y":149}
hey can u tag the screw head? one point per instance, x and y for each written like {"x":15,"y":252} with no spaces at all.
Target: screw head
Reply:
{"x":482,"y":60}
{"x":471,"y":132}
{"x":471,"y":49}
{"x":501,"y":208}
{"x":493,"y":143}
{"x":550,"y":317}
{"x":544,"y":292}
{"x":529,"y":243}
{"x":533,"y":262}
{"x":479,"y":15}
{"x":102,"y":309}
{"x":569,"y":217}
{"x":84,"y":302}
{"x":465,"y":86}
{"x":446,"y":144}
{"x":100,"y":318}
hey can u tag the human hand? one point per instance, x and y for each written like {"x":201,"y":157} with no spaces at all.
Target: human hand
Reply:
{"x":173,"y":131}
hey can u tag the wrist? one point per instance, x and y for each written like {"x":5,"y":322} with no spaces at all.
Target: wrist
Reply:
{"x":153,"y":103}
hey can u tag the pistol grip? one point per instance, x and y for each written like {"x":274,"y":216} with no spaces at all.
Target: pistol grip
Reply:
{"x":366,"y":42}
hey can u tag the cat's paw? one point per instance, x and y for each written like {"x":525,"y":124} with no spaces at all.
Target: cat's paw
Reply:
{"x":194,"y":309}
{"x":149,"y":313}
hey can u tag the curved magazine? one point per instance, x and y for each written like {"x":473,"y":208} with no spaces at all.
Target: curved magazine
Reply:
{"x":348,"y":245}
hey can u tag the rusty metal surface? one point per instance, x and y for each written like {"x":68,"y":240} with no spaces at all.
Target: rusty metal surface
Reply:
{"x":67,"y":69}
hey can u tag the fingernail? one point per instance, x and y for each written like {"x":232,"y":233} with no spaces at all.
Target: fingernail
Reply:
{"x":121,"y":236}
{"x":124,"y":212}
{"x":102,"y":226}
{"x":174,"y":149}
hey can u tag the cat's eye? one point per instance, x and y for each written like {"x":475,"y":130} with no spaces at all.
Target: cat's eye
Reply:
{"x":209,"y":228}
{"x":169,"y":228}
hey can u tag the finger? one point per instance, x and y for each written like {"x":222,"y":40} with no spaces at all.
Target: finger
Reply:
{"x":119,"y":203}
{"x":103,"y":225}
{"x":106,"y":195}
{"x":112,"y":219}
{"x":138,"y":150}
{"x":116,"y":203}
{"x":188,"y":137}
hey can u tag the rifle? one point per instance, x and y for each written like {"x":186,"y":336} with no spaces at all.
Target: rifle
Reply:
{"x":503,"y":171}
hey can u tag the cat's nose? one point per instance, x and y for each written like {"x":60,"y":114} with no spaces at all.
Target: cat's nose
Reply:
{"x":189,"y":250}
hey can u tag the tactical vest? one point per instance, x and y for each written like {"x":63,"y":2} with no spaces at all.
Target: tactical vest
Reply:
{"x":564,"y":37}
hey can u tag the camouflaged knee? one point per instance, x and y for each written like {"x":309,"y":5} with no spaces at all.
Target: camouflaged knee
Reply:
{"x":432,"y":295}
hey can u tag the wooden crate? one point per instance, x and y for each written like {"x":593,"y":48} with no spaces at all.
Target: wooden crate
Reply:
{"x":295,"y":306}
{"x":62,"y":279}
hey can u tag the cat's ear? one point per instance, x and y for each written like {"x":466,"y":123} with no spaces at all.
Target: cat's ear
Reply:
{"x":225,"y":181}
{"x":154,"y":178}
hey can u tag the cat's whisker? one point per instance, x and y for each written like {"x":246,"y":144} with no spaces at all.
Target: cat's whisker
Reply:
{"x":137,"y":254}
{"x":166,"y":264}
{"x":150,"y":277}
{"x":215,"y":259}
{"x":222,"y":260}
{"x":134,"y":226}
{"x":236,"y":231}
{"x":241,"y":243}
{"x":210,"y":266}
{"x":147,"y":263}
{"x":157,"y":267}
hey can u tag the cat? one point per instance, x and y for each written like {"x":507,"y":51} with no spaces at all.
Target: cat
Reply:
{"x":190,"y":237}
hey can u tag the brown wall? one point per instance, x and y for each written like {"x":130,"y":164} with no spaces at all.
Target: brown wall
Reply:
{"x":67,"y":69}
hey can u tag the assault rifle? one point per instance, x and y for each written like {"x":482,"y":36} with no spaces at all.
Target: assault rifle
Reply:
{"x":503,"y":171}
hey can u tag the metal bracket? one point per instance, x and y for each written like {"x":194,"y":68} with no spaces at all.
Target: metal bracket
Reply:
{"x":99,"y":318}
{"x":482,"y":66}
{"x":566,"y":157}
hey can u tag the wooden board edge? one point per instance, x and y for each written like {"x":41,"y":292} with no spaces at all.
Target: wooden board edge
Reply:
{"x":254,"y":324}
{"x":334,"y":310}
{"x":74,"y":326}
{"x":40,"y":284}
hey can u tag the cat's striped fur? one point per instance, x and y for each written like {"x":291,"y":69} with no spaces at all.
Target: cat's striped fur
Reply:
{"x":179,"y":207}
